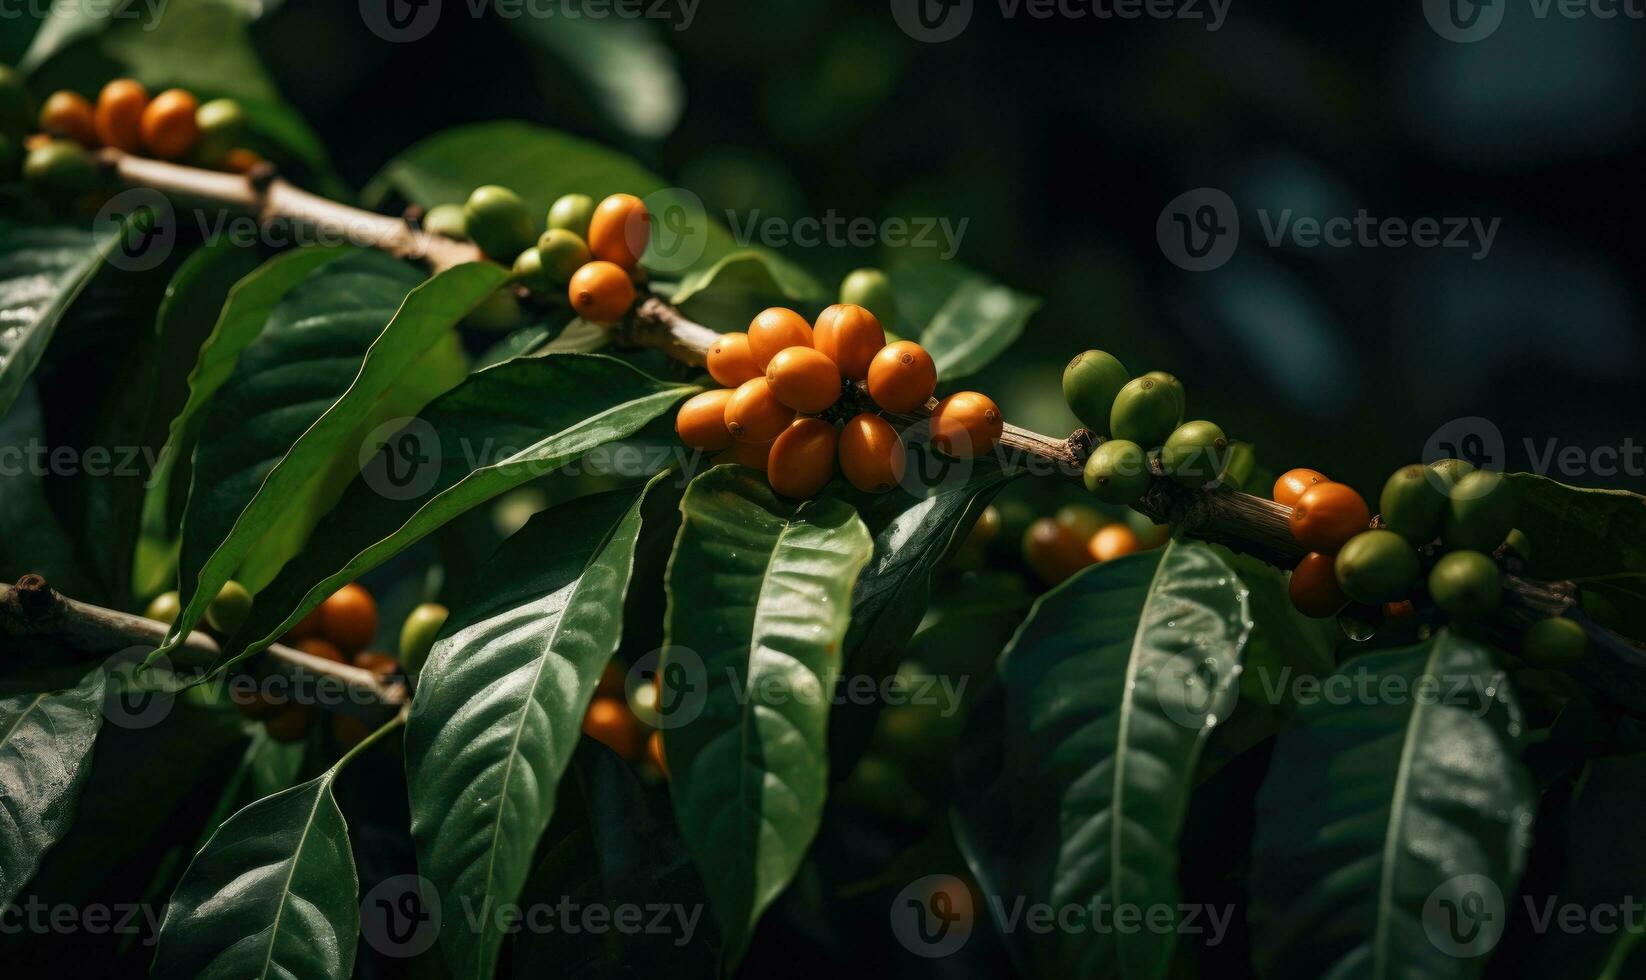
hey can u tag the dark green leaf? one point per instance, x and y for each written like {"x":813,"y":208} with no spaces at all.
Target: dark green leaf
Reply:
{"x":42,"y":271}
{"x":729,"y":293}
{"x":32,"y":539}
{"x":1578,"y":533}
{"x":966,"y":319}
{"x":629,"y":75}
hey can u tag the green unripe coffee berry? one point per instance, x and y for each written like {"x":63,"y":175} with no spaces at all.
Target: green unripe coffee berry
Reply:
{"x":223,"y":125}
{"x":1082,"y":520}
{"x":497,"y":221}
{"x":563,"y":253}
{"x":446,"y":219}
{"x":1176,"y":387}
{"x":62,"y":167}
{"x":1480,"y":513}
{"x":1145,"y":412}
{"x":1448,"y":472}
{"x":1466,"y":583}
{"x":17,"y":112}
{"x":1519,"y":544}
{"x":870,"y":289}
{"x":1118,"y":472}
{"x":1195,"y":453}
{"x":529,"y":272}
{"x":1411,"y":505}
{"x":1554,"y":642}
{"x":1376,"y":566}
{"x":229,"y":608}
{"x":417,"y":635}
{"x":165,"y":607}
{"x":498,"y":312}
{"x":1090,"y":383}
{"x":572,"y":212}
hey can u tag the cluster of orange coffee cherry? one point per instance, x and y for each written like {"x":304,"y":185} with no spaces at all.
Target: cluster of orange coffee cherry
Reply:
{"x":612,"y":721}
{"x":793,"y":405}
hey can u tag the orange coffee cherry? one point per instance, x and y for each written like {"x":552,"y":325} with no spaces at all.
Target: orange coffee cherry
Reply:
{"x":804,"y":379}
{"x":601,"y":292}
{"x":35,"y":141}
{"x":609,"y":720}
{"x":1314,"y":589}
{"x":381,"y":664}
{"x":325,"y":649}
{"x":619,"y":230}
{"x":1399,"y":613}
{"x":349,"y":617}
{"x":802,"y":458}
{"x":1292,"y":483}
{"x":290,"y":724}
{"x":168,"y":125}
{"x":871,"y":454}
{"x":614,"y":681}
{"x":120,"y":114}
{"x":851,"y":337}
{"x":1054,"y":550}
{"x":654,"y":752}
{"x":753,"y":413}
{"x":902,"y":376}
{"x":730,"y":361}
{"x":774,"y":330}
{"x":309,"y":626}
{"x":1327,"y":515}
{"x":68,"y":114}
{"x":701,"y":421}
{"x":1112,"y":541}
{"x":966,"y":424}
{"x":241,"y":160}
{"x":755,"y":455}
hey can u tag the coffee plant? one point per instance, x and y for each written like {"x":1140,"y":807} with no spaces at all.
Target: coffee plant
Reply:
{"x":347,"y":534}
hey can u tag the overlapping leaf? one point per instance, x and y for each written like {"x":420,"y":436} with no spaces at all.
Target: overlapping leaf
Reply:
{"x":42,"y":270}
{"x":966,"y":319}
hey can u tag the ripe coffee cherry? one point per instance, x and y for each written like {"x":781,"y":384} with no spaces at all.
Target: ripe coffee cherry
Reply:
{"x":601,"y":292}
{"x":1555,"y":642}
{"x":966,"y":424}
{"x":701,"y":421}
{"x":1118,"y":472}
{"x":168,"y":127}
{"x":229,"y":608}
{"x":902,"y":377}
{"x":851,"y":337}
{"x":446,"y":219}
{"x":754,"y":455}
{"x":1377,"y":566}
{"x":871,"y":454}
{"x":654,"y":753}
{"x":609,"y":721}
{"x":1466,"y":584}
{"x":418,"y":632}
{"x":378,"y":662}
{"x":804,"y":379}
{"x":165,"y":607}
{"x":870,"y":289}
{"x":69,"y":115}
{"x":1145,"y":412}
{"x":731,"y":362}
{"x":1090,"y":383}
{"x":1054,"y":551}
{"x":348,"y":618}
{"x":1314,"y":588}
{"x":1327,"y":515}
{"x":498,"y":312}
{"x":1195,"y":453}
{"x":619,"y":230}
{"x":1174,"y":386}
{"x":223,"y":125}
{"x":776,"y":329}
{"x":1481,"y":512}
{"x":562,"y":254}
{"x":802,"y":458}
{"x":119,"y":114}
{"x":571,"y":212}
{"x":1112,"y":541}
{"x":753,"y":413}
{"x":497,"y":220}
{"x":61,"y":167}
{"x":325,"y":649}
{"x":243,"y":161}
{"x":1411,"y":505}
{"x":1292,"y":483}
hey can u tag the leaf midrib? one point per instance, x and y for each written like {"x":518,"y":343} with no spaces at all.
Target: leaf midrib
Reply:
{"x":297,"y":856}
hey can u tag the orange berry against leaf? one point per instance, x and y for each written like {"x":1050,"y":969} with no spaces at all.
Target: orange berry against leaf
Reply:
{"x":349,"y":617}
{"x":902,"y":376}
{"x":309,"y":626}
{"x":654,"y":752}
{"x":619,"y":230}
{"x":701,"y":421}
{"x":119,"y":115}
{"x":241,"y":161}
{"x":609,"y":721}
{"x":850,"y":336}
{"x":1314,"y":589}
{"x":1112,"y":541}
{"x":804,"y":379}
{"x":1292,"y":483}
{"x":1054,"y":550}
{"x":68,"y":114}
{"x":966,"y":424}
{"x":1327,"y":515}
{"x":871,"y":454}
{"x":379,"y":663}
{"x":753,"y":413}
{"x":730,"y":361}
{"x":325,"y":649}
{"x":802,"y":459}
{"x":168,"y":126}
{"x":755,"y":455}
{"x":774,"y":330}
{"x":601,"y":292}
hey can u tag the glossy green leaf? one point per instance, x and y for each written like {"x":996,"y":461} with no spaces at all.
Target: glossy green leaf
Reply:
{"x":1577,"y":532}
{"x":728,"y":294}
{"x":46,"y":744}
{"x":42,"y":271}
{"x":759,"y":591}
{"x":966,"y":319}
{"x":1395,"y":821}
{"x":1077,"y":771}
{"x":502,"y":427}
{"x":500,"y":704}
{"x":628,"y":74}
